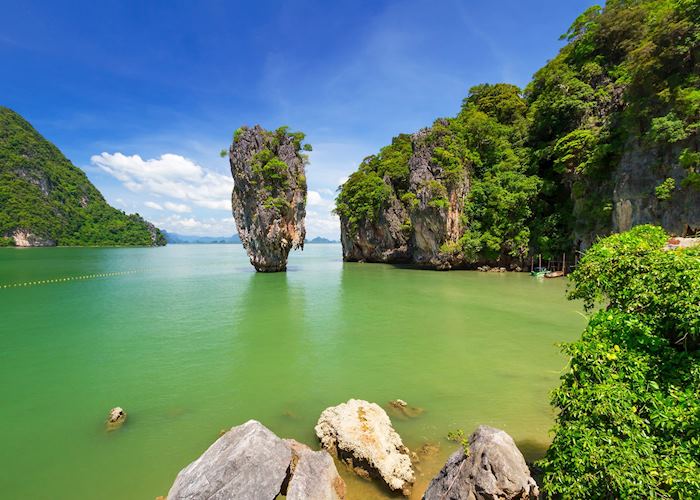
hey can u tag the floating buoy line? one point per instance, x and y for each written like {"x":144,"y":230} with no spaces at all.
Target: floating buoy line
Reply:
{"x":67,"y":279}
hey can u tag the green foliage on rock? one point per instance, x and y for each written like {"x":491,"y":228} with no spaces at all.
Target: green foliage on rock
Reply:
{"x":628,"y":423}
{"x":42,"y":193}
{"x":628,"y":75}
{"x":664,"y":190}
{"x":362,"y":196}
{"x":271,"y":172}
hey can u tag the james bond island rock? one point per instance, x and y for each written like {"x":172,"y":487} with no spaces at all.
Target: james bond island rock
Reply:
{"x":269,"y":194}
{"x":493,"y":468}
{"x":250,"y":461}
{"x":360,"y":434}
{"x":45,"y":200}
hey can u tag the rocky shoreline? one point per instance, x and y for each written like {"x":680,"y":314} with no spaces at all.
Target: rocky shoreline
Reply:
{"x":250,"y":462}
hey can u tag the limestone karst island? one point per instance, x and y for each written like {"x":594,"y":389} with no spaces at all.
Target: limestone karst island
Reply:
{"x":440,"y":250}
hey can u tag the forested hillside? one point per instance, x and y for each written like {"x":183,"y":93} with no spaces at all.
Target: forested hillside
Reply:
{"x":604,"y":138}
{"x":45,"y":200}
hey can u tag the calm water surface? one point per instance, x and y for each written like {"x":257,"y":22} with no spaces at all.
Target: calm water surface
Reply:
{"x":189,"y":340}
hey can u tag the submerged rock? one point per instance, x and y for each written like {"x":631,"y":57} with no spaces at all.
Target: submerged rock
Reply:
{"x":401,"y":409}
{"x":117,"y":417}
{"x":250,"y":461}
{"x":269,"y":194}
{"x":361,"y":435}
{"x":494,"y":468}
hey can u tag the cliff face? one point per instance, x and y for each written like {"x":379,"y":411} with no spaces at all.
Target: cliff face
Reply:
{"x":640,"y":171}
{"x":269,"y":194}
{"x":419,"y":224}
{"x":382,"y":240}
{"x":436,"y":213}
{"x":45,"y":200}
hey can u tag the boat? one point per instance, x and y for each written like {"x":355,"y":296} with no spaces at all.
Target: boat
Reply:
{"x":554,"y":274}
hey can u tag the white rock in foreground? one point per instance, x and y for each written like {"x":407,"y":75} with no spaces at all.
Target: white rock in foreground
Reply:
{"x":361,"y":435}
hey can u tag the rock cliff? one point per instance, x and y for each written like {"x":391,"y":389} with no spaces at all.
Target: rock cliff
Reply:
{"x":269,"y":194}
{"x":419,"y":218}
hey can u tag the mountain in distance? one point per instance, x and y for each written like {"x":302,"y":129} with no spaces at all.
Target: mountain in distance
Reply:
{"x":320,"y":239}
{"x":45,"y":200}
{"x":174,"y":238}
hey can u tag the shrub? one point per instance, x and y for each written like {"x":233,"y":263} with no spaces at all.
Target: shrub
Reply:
{"x":628,"y":423}
{"x":665,"y":189}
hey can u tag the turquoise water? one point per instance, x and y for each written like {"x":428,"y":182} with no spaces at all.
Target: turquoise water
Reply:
{"x":190,"y":341}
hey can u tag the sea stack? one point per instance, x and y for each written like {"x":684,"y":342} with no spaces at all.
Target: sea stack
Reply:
{"x":269,"y":193}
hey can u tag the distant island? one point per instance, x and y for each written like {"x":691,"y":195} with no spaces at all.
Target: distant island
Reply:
{"x":175,"y":239}
{"x":320,"y":239}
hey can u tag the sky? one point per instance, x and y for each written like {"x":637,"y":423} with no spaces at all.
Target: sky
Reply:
{"x":144,"y":95}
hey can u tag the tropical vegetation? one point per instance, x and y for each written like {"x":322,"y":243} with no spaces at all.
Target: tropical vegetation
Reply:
{"x":542,"y":160}
{"x":628,"y":421}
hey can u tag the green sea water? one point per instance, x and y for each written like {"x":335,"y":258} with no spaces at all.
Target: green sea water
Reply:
{"x":190,"y":341}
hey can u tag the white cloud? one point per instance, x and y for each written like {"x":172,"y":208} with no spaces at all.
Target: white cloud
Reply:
{"x":153,"y":205}
{"x":322,"y":223}
{"x":194,"y":226}
{"x":314,"y":198}
{"x":180,"y":208}
{"x":170,"y":175}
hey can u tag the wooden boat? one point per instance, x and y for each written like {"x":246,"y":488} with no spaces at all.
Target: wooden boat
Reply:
{"x":554,"y":274}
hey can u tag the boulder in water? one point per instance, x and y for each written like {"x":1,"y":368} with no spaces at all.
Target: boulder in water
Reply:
{"x":360,"y":434}
{"x":250,"y":461}
{"x":116,"y":418}
{"x":494,"y":468}
{"x":313,"y":475}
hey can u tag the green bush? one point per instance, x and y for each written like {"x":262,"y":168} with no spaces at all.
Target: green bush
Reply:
{"x":664,"y":190}
{"x":628,"y":423}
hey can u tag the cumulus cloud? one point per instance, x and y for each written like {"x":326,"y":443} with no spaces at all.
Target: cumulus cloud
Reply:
{"x":169,"y":175}
{"x":320,"y":221}
{"x":180,"y":208}
{"x":194,"y":226}
{"x":153,"y":205}
{"x":314,"y":198}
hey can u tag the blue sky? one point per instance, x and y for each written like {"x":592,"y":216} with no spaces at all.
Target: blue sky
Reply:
{"x":144,"y":95}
